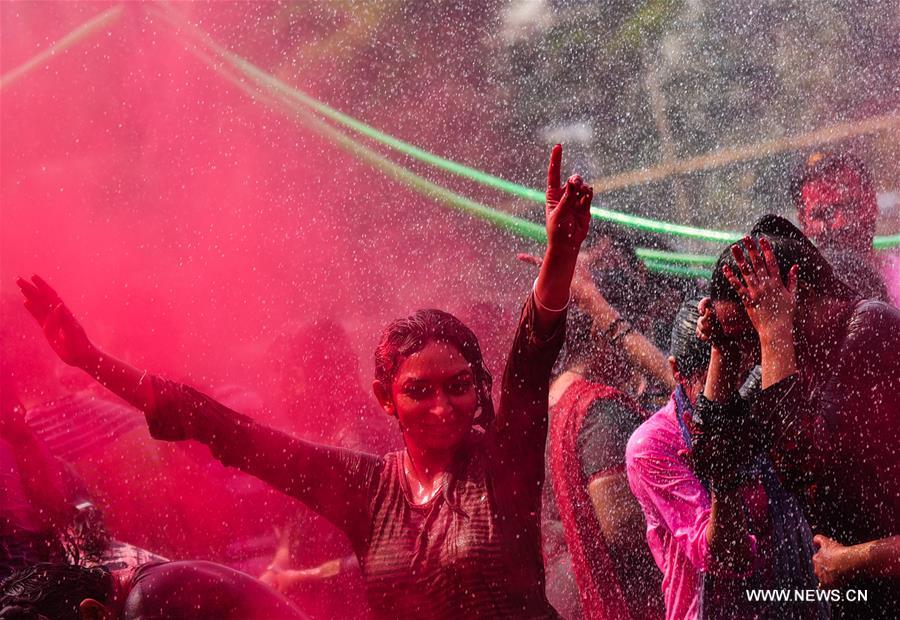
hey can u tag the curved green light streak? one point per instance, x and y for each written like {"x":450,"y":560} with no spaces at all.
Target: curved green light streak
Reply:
{"x":518,"y":226}
{"x":92,"y":25}
{"x":489,"y":180}
{"x":663,"y":256}
{"x":657,"y":260}
{"x":449,"y":165}
{"x":624,"y":219}
{"x":886,"y":242}
{"x":678,"y":270}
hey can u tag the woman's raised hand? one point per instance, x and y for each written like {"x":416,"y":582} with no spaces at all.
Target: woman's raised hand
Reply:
{"x":62,"y":330}
{"x":770,"y":304}
{"x":568,"y":208}
{"x":568,"y":215}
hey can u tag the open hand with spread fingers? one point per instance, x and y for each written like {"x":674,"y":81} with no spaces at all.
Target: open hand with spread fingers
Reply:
{"x":769,"y":302}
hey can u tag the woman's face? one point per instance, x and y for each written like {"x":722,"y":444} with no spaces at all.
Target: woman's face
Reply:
{"x":434,"y":397}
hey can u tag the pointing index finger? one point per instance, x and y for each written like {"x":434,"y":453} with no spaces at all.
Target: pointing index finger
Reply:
{"x":554,"y":168}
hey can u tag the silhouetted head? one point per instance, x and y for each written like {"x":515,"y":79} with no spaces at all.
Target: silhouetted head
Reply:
{"x":835,"y":200}
{"x":648,"y":300}
{"x":617,"y":271}
{"x":589,"y":353}
{"x":58,"y":592}
{"x":689,"y":356}
{"x":430,"y":375}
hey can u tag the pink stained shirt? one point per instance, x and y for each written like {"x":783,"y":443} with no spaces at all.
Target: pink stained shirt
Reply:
{"x":676,"y":507}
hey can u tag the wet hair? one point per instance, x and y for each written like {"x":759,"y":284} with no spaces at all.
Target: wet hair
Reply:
{"x":791,"y":247}
{"x":405,"y":337}
{"x":821,"y":164}
{"x":581,"y":343}
{"x":691,"y":354}
{"x":53,"y":591}
{"x":623,"y":286}
{"x":620,"y":238}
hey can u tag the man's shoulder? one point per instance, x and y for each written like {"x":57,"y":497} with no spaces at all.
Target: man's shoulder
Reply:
{"x":657,"y":437}
{"x":873,"y":322}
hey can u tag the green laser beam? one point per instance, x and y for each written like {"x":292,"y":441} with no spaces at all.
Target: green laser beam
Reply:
{"x":886,"y":242}
{"x":89,"y":27}
{"x":489,"y":180}
{"x":286,"y":92}
{"x":521,"y":226}
{"x":454,"y":167}
{"x":518,"y":226}
{"x":624,"y":219}
{"x":657,"y":260}
{"x":663,"y":256}
{"x":677,"y":270}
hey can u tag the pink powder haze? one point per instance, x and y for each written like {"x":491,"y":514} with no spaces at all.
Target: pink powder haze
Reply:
{"x":190,"y":229}
{"x":187,"y":225}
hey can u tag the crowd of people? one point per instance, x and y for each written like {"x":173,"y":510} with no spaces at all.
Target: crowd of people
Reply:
{"x":655,"y":448}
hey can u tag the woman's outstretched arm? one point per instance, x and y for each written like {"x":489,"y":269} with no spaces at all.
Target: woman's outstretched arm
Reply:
{"x":332,"y":481}
{"x":69,"y":341}
{"x":522,"y":412}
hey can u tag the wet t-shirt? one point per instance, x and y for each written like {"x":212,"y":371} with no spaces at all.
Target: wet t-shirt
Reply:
{"x":473,"y":551}
{"x":839,"y":431}
{"x":603,"y":437}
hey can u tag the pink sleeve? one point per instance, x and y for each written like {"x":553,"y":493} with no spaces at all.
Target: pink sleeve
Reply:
{"x":665,"y":485}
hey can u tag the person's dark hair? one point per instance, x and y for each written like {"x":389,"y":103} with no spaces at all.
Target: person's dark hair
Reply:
{"x":620,"y":238}
{"x":691,"y":354}
{"x":821,"y":164}
{"x":53,"y":591}
{"x":624,"y":283}
{"x":404,"y":337}
{"x":581,"y":343}
{"x":631,"y":288}
{"x":791,"y":247}
{"x":584,"y":346}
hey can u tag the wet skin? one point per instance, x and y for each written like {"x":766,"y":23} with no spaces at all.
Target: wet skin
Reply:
{"x":837,"y":210}
{"x":435,"y":398}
